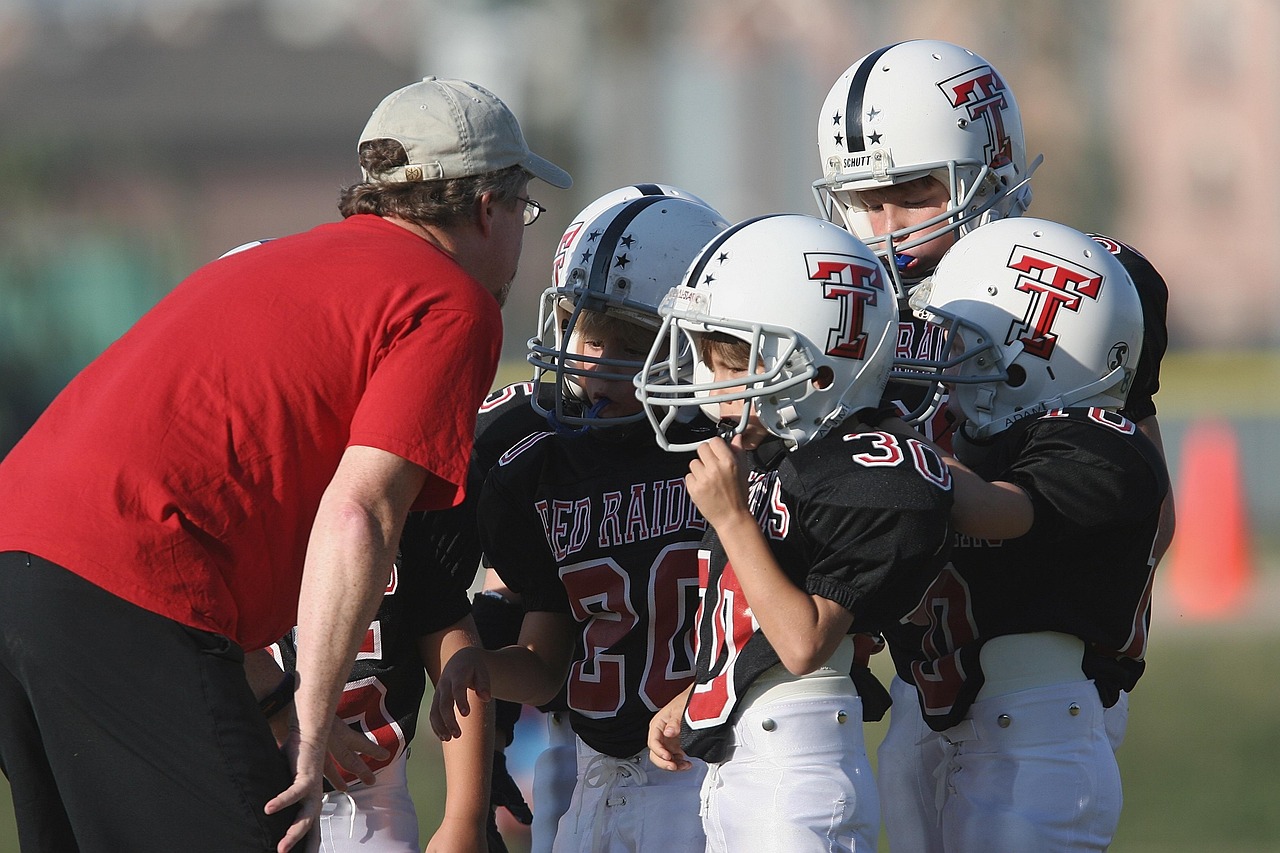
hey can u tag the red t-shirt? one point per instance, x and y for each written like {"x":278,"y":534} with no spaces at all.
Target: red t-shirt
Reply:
{"x":182,"y":469}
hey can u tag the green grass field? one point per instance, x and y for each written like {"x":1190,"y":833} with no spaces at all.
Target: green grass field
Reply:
{"x":1201,"y":763}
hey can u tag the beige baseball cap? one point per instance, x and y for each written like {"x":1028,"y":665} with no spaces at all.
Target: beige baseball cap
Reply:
{"x":453,"y":129}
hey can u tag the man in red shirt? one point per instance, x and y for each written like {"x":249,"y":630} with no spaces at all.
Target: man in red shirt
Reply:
{"x":239,"y":461}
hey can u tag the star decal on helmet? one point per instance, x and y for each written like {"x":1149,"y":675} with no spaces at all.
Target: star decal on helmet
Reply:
{"x":874,"y":138}
{"x":722,"y":257}
{"x":836,"y":118}
{"x":839,"y":139}
{"x":710,"y":278}
{"x":586,"y":256}
{"x":627,"y":240}
{"x":872,"y":114}
{"x":622,"y":260}
{"x":594,"y":235}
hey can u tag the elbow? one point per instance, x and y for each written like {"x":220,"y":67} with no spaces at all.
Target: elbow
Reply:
{"x":802,"y":659}
{"x":356,"y":522}
{"x":544,"y":682}
{"x":541,"y":695}
{"x":803,"y":646}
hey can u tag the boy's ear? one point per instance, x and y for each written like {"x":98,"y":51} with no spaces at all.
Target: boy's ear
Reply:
{"x":824,"y":378}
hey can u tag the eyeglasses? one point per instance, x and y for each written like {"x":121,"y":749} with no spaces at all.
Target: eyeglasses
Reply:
{"x":532,"y":210}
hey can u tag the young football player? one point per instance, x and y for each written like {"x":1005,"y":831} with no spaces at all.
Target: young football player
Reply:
{"x":591,"y":526}
{"x":822,"y":526}
{"x":516,"y":412}
{"x":1043,"y":613}
{"x":418,"y":626}
{"x":406,"y":643}
{"x":922,"y":142}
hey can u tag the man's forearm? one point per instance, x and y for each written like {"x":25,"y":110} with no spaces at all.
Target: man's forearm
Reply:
{"x":349,"y":558}
{"x":341,"y":590}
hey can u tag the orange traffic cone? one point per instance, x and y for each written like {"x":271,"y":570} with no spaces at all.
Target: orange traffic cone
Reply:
{"x":1211,"y":567}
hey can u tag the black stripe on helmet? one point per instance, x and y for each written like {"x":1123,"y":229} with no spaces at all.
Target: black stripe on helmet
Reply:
{"x":853,"y":137}
{"x":615,"y":231}
{"x":649,"y":189}
{"x":709,"y":251}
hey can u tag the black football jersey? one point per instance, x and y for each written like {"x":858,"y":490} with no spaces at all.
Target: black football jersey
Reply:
{"x":428,"y":591}
{"x":445,"y":544}
{"x":599,"y":525}
{"x":1084,"y":568}
{"x":859,"y":517}
{"x":384,"y":691}
{"x":1154,"y":294}
{"x":918,"y":339}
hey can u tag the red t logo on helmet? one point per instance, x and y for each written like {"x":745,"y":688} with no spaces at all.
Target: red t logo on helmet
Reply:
{"x":1054,"y":284}
{"x":562,"y":251}
{"x":855,"y":285}
{"x":981,"y":93}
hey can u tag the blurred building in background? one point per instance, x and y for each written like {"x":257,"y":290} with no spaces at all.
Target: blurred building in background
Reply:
{"x":1196,"y":123}
{"x":141,"y":138}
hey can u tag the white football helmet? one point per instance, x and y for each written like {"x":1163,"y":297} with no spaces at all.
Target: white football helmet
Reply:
{"x":1038,"y":316}
{"x":806,"y":295}
{"x":920,"y":108}
{"x":619,"y":256}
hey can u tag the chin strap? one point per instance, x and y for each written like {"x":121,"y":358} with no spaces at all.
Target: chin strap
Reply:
{"x":1108,"y":381}
{"x":838,"y":415}
{"x":1112,"y":378}
{"x":796,"y":437}
{"x":593,"y":412}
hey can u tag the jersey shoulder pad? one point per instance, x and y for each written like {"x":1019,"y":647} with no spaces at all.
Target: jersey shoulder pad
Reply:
{"x":1104,"y":444}
{"x":505,"y":417}
{"x":522,"y":448}
{"x":1151,"y":286}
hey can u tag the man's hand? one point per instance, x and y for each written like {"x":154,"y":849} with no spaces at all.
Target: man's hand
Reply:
{"x":306,"y":758}
{"x":346,"y":746}
{"x":350,"y":552}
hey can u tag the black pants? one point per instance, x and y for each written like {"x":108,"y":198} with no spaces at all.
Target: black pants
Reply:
{"x":121,"y":730}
